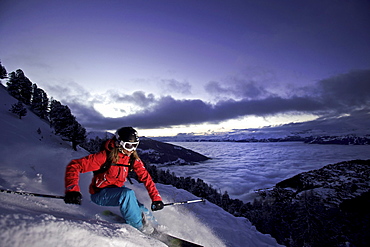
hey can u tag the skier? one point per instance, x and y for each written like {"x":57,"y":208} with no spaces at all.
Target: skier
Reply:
{"x":111,"y":167}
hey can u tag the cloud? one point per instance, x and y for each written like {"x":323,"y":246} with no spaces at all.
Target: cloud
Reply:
{"x":344,"y":93}
{"x":253,"y":83}
{"x":168,"y":112}
{"x":138,"y":98}
{"x":70,"y":92}
{"x":239,"y":89}
{"x":86,"y":114}
{"x":175,"y":86}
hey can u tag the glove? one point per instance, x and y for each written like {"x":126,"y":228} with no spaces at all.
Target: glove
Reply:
{"x":73,"y":197}
{"x":157,"y":205}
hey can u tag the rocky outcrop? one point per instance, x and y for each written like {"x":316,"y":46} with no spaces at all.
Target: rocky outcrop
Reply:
{"x":325,"y":207}
{"x":333,"y":183}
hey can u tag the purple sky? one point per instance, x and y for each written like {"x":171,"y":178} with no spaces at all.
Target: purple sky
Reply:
{"x":191,"y":66}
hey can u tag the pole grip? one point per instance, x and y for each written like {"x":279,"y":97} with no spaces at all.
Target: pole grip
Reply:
{"x":184,"y":202}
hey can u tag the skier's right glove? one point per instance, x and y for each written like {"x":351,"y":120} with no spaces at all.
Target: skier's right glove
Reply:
{"x":157,"y":205}
{"x":73,"y":197}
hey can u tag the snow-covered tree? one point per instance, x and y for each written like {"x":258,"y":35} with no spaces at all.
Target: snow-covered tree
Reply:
{"x":19,"y":109}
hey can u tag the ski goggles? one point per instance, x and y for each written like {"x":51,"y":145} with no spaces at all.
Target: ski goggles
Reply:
{"x":129,"y":146}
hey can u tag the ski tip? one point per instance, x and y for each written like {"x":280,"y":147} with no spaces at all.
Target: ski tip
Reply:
{"x":173,"y":241}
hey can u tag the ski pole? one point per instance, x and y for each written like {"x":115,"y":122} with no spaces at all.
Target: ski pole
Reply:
{"x":31,"y":194}
{"x":185,"y":202}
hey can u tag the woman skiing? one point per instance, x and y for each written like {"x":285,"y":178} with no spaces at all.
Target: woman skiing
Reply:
{"x":111,"y":167}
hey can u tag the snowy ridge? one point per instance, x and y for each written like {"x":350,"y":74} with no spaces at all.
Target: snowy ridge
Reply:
{"x":34,"y":161}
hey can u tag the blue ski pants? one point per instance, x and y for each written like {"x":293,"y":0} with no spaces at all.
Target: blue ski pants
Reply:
{"x":131,"y":209}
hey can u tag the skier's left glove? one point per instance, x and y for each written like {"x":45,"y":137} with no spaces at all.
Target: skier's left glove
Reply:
{"x":157,"y":205}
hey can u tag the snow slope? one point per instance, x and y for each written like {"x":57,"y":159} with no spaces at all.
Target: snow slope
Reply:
{"x":35,"y":161}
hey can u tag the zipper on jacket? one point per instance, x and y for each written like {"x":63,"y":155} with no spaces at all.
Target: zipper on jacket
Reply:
{"x":98,"y":185}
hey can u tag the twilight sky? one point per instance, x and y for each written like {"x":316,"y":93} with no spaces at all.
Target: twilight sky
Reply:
{"x":170,"y":66}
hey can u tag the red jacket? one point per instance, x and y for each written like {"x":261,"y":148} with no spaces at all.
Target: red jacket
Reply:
{"x":115,"y":176}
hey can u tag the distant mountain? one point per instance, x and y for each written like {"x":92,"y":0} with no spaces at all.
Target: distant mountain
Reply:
{"x":321,"y":131}
{"x":161,"y":153}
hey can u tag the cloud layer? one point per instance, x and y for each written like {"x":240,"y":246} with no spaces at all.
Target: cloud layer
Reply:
{"x":341,"y":94}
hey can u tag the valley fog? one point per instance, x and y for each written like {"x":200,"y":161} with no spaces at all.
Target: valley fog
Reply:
{"x":241,"y":168}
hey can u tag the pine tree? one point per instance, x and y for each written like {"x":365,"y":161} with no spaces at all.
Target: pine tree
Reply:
{"x":225,"y":201}
{"x":74,"y":133}
{"x":26,"y":88}
{"x":61,"y":118}
{"x":57,"y":114}
{"x":54,"y":104}
{"x":20,"y":87}
{"x":65,"y":124}
{"x":19,"y":109}
{"x":3,"y":73}
{"x":13,"y":86}
{"x":40,"y":102}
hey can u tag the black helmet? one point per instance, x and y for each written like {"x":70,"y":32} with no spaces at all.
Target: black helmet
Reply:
{"x":127,"y":134}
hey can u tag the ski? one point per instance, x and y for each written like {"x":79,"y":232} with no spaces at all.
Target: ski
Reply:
{"x":168,"y":239}
{"x":173,"y":241}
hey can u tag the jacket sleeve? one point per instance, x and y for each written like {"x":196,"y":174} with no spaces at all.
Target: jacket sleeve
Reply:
{"x":89,"y":163}
{"x":145,"y":177}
